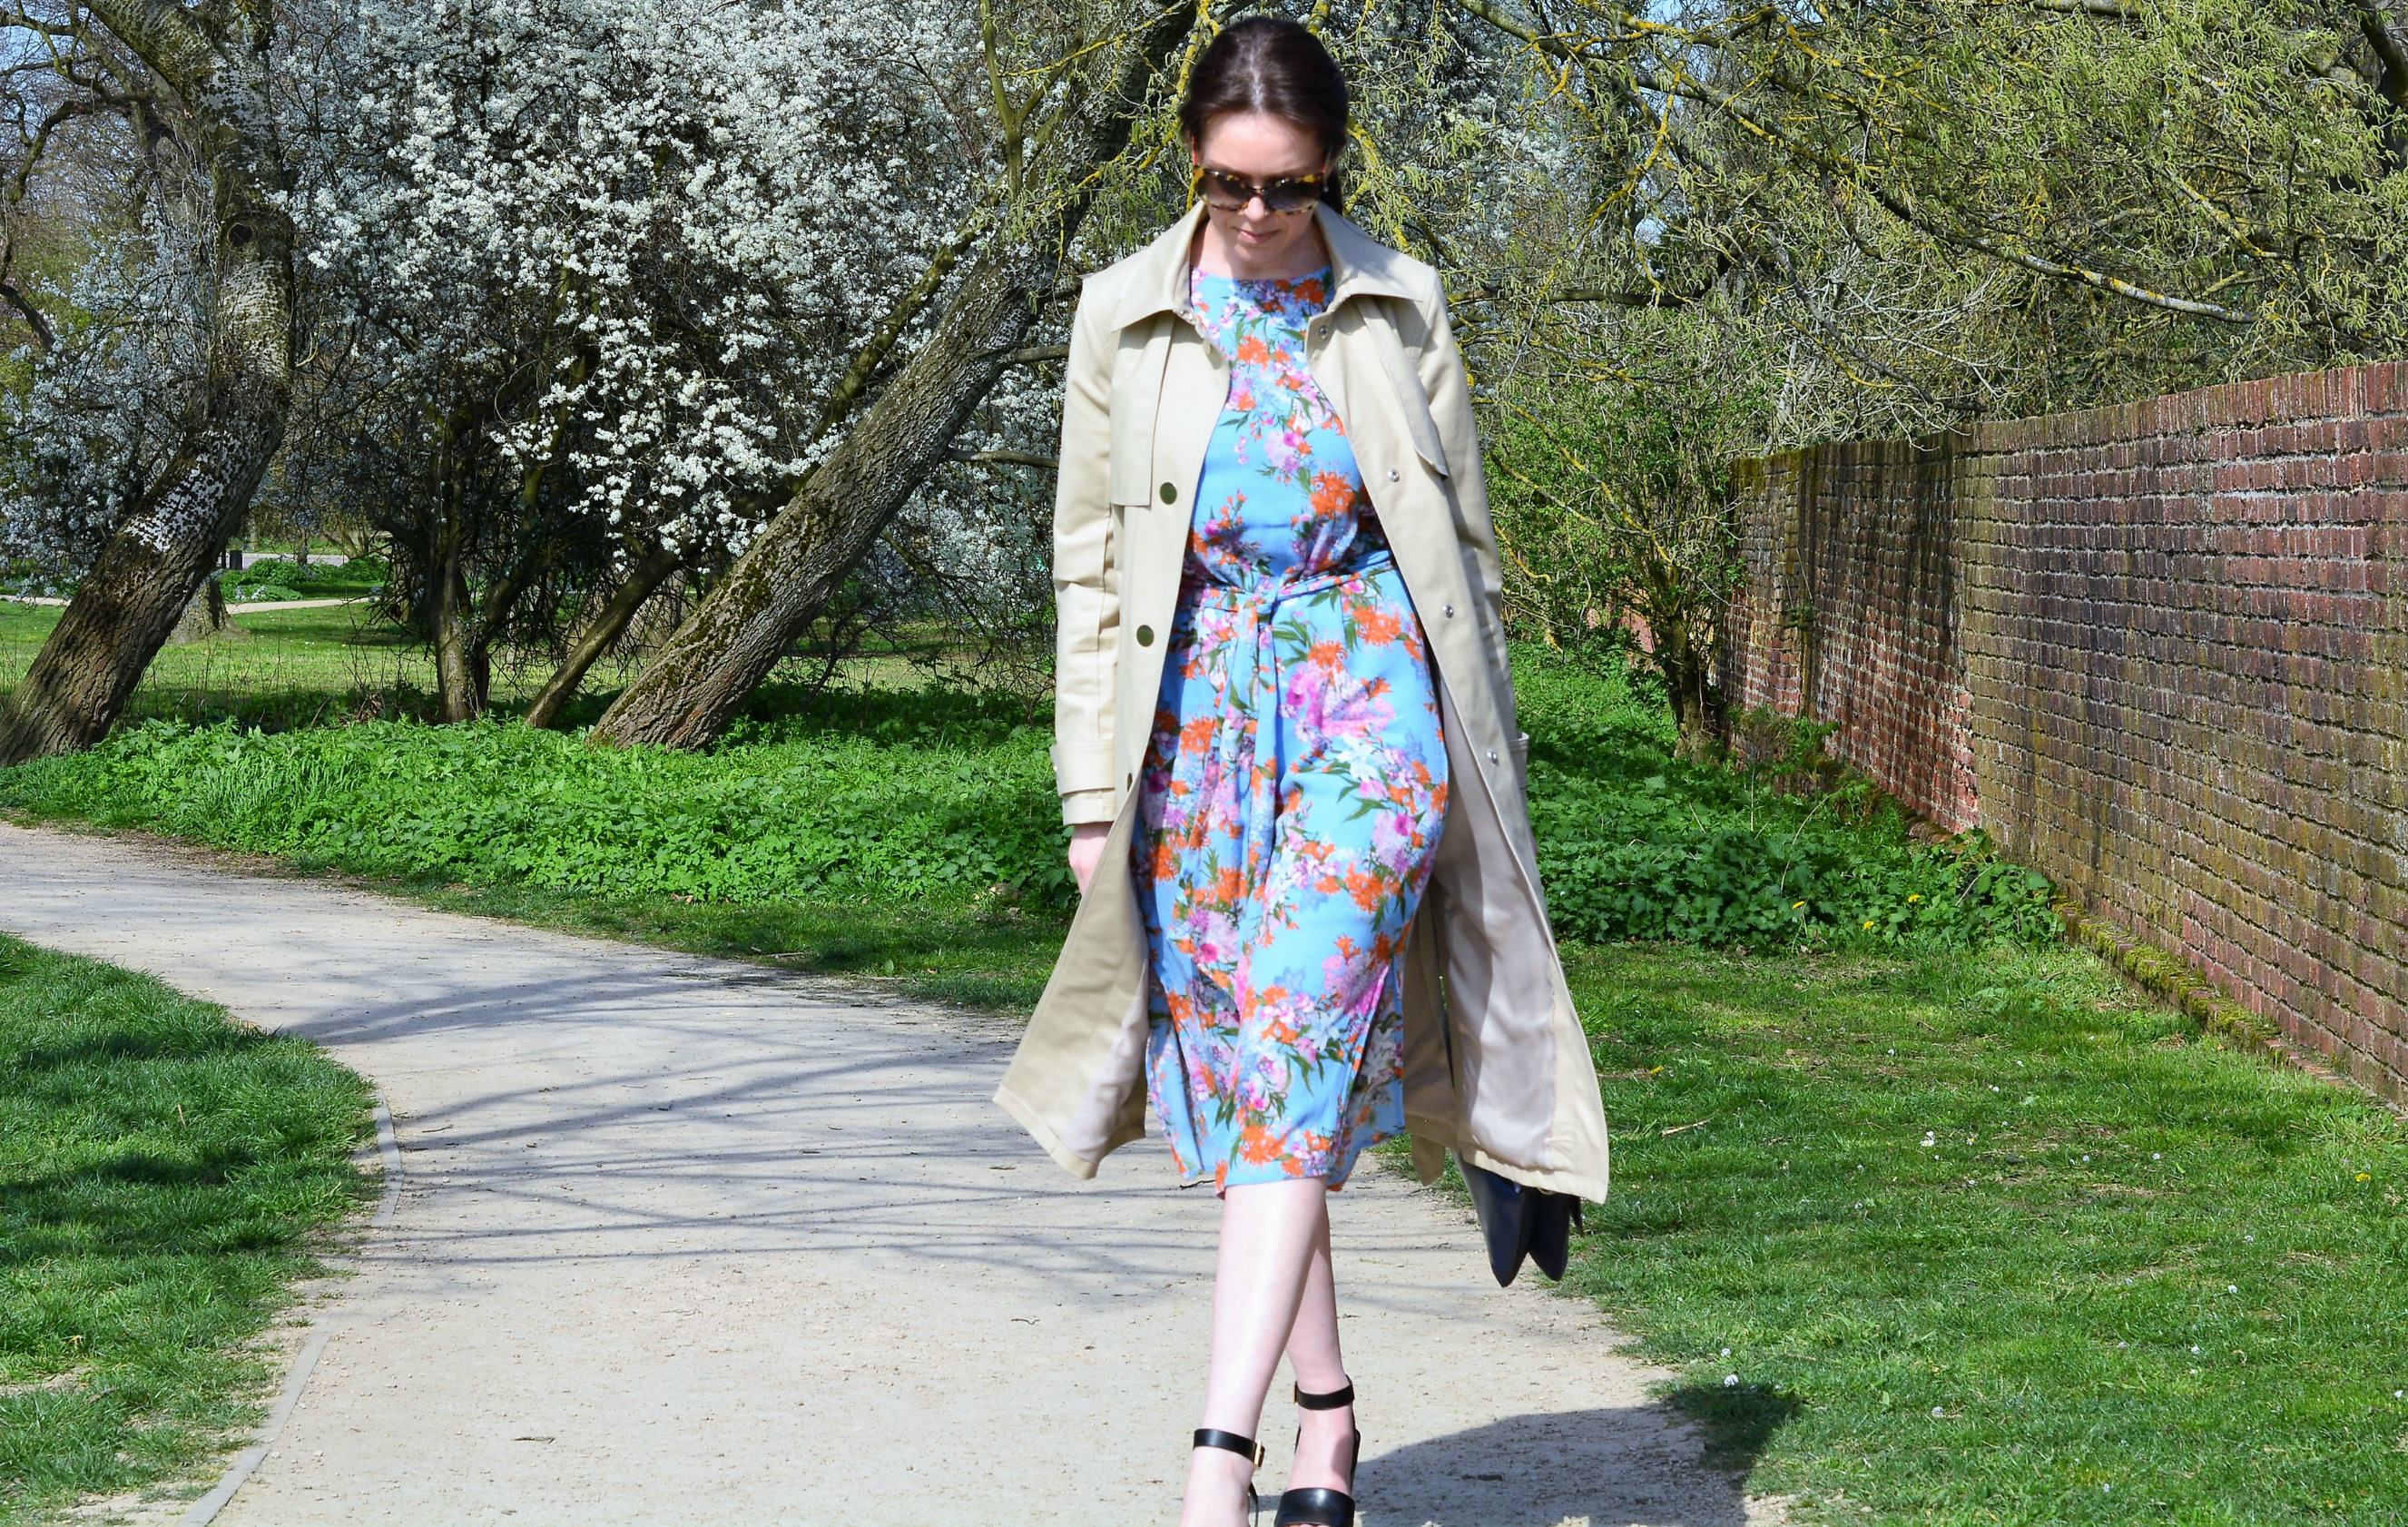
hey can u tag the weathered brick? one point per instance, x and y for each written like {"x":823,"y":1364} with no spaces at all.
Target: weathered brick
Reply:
{"x":2160,"y":649}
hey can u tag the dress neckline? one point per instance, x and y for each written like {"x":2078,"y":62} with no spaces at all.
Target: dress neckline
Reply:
{"x":1282,"y":284}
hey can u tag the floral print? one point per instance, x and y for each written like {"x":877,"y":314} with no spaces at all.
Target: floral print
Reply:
{"x":1295,"y":782}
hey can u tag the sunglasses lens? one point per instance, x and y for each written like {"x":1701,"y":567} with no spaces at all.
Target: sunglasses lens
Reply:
{"x":1231,"y":193}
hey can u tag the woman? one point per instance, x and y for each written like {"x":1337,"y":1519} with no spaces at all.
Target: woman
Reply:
{"x":1310,"y":912}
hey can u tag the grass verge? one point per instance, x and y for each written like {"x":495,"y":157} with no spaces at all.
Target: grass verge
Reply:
{"x":166,"y":1175}
{"x":1986,"y":1236}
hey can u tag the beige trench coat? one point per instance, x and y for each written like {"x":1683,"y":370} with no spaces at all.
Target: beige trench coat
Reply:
{"x":1497,"y":1068}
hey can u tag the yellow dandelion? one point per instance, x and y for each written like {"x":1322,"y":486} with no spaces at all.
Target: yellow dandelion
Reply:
{"x":1914,"y":896}
{"x":1869,"y":922}
{"x":2365,"y":1176}
{"x":1796,"y":903}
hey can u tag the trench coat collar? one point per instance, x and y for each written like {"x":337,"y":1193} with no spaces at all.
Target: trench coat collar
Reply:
{"x":1359,"y":265}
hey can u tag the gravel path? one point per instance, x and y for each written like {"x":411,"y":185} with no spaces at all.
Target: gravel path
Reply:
{"x":681,"y":1240}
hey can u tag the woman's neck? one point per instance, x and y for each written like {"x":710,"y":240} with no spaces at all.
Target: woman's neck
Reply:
{"x":1212,"y":256}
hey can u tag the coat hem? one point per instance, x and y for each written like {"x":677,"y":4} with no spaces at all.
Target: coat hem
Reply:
{"x":1031,"y":1121}
{"x":1579,"y":1184}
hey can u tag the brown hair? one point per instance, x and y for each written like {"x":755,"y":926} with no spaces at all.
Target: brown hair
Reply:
{"x":1274,"y":64}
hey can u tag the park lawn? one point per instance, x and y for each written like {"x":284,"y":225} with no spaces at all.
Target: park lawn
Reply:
{"x":1988,"y":1238}
{"x":165,"y":1174}
{"x":2097,"y":1171}
{"x":286,"y":667}
{"x":306,"y":667}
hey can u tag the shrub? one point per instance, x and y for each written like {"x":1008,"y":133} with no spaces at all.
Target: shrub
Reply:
{"x":1634,"y":842}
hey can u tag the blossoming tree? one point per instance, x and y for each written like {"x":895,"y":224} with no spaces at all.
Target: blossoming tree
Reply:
{"x":592,"y":288}
{"x":193,"y":82}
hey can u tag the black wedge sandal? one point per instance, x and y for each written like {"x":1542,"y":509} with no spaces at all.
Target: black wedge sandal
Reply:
{"x":1321,"y":1507}
{"x":1212,"y":1436}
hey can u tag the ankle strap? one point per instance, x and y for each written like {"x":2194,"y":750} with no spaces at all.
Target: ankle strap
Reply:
{"x":1212,"y":1436}
{"x":1332,"y":1401}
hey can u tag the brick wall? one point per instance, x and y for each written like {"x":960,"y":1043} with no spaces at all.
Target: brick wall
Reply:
{"x":2158,"y":649}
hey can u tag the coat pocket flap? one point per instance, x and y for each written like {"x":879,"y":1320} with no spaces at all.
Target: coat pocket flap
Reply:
{"x":1136,"y":398}
{"x":1424,"y":432}
{"x":1414,"y":403}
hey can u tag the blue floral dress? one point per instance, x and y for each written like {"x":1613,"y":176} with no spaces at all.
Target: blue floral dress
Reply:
{"x":1295,"y":782}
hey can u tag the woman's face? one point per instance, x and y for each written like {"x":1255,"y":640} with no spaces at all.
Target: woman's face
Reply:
{"x":1259,"y":147}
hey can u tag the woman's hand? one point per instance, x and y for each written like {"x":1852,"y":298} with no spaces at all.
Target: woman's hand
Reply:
{"x":1087,"y":850}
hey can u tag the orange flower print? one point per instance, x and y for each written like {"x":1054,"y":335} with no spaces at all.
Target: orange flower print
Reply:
{"x":1332,"y":493}
{"x":1257,"y":1144}
{"x":1378,"y":626}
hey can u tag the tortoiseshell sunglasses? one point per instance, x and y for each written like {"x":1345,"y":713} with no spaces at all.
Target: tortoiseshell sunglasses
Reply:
{"x":1230,"y":193}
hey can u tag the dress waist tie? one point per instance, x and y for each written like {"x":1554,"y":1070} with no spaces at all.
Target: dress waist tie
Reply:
{"x":1254,"y":684}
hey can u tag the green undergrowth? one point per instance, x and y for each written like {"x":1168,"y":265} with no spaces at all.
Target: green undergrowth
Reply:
{"x":879,"y":799}
{"x":165,"y":1174}
{"x":1634,"y":842}
{"x":282,"y":577}
{"x":943,"y":801}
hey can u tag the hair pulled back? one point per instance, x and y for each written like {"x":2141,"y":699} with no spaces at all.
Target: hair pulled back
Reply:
{"x":1271,"y":64}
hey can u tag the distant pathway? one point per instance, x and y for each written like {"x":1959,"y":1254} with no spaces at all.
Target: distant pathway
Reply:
{"x":682,"y":1240}
{"x":247,"y":608}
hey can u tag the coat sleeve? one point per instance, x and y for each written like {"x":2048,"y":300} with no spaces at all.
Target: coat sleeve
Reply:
{"x":1449,"y":389}
{"x":1086,"y":604}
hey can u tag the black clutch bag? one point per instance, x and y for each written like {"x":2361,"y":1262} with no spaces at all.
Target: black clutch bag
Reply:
{"x":1518,"y":1222}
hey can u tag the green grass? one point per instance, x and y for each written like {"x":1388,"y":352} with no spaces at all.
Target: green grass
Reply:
{"x":906,"y":834}
{"x":165,"y":1174}
{"x":2103,"y":1193}
{"x":1769,"y":1078}
{"x":285,"y":666}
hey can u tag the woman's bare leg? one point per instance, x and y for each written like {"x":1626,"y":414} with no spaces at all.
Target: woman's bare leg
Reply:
{"x":1327,"y":1436}
{"x":1269,"y":1233}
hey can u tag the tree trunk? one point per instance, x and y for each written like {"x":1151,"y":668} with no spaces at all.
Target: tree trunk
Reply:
{"x":1689,"y":681}
{"x":146,"y":573}
{"x":151,"y":564}
{"x":204,"y":617}
{"x":608,"y":624}
{"x":686,"y":697}
{"x":455,"y":663}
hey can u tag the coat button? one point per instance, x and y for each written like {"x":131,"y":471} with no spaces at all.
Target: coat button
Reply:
{"x":1392,"y":474}
{"x":1145,"y":636}
{"x":1491,"y":754}
{"x":1169,"y":494}
{"x":1450,"y":612}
